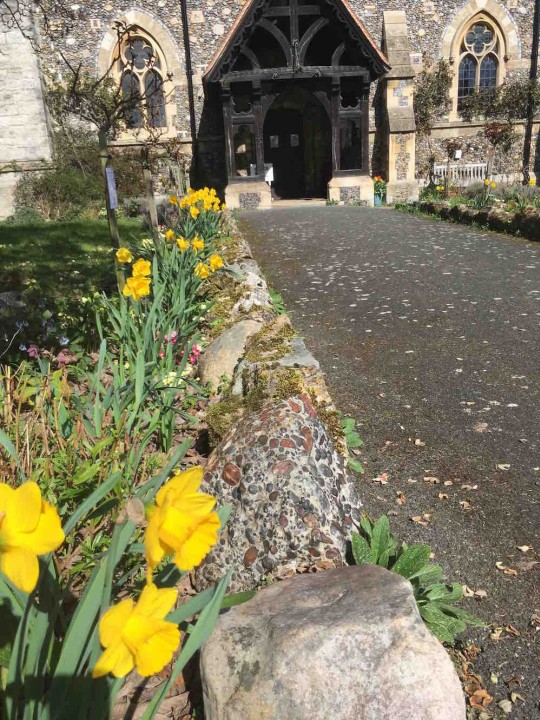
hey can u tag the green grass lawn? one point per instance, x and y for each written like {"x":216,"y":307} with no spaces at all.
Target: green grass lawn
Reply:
{"x":60,"y":257}
{"x":55,"y":265}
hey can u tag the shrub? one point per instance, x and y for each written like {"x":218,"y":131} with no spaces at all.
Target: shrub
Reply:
{"x":73,"y":185}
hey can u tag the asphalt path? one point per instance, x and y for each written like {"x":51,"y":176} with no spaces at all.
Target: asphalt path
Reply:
{"x":428,"y":333}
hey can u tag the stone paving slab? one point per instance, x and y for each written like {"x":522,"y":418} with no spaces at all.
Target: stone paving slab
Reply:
{"x":429,"y":335}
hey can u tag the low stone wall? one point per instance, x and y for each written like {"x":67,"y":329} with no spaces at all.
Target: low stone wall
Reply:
{"x":525,"y":223}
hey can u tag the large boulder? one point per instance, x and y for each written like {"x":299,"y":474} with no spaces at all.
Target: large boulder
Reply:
{"x":223,"y":355}
{"x":347,"y":644}
{"x":293,"y":504}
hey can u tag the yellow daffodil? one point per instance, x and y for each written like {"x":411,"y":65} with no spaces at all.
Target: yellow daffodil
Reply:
{"x":173,"y":200}
{"x":182,"y":243}
{"x":123,"y":255}
{"x":486,"y":181}
{"x":532,"y":181}
{"x":137,"y":287}
{"x":215,"y":261}
{"x":29,"y":527}
{"x":493,"y":184}
{"x":197,"y":244}
{"x":137,"y":635}
{"x":194,"y":212}
{"x":170,"y":236}
{"x":202,"y":271}
{"x":141,"y":268}
{"x":181,"y":523}
{"x":223,"y":207}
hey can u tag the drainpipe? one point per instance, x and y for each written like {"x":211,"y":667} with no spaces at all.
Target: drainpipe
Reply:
{"x":533,"y":74}
{"x":191,"y":95}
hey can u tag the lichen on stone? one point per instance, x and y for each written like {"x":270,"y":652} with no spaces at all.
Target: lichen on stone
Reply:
{"x":269,"y":343}
{"x":332,"y":419}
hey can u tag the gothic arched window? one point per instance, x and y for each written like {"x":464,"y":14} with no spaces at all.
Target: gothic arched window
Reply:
{"x":142,"y":76}
{"x":479,"y":60}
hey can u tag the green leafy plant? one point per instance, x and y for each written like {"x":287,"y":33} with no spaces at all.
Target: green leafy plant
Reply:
{"x":277,"y":302}
{"x":353,"y":440}
{"x":375,"y":545}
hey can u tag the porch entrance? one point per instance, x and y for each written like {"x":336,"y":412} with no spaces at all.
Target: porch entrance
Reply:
{"x":297,"y":143}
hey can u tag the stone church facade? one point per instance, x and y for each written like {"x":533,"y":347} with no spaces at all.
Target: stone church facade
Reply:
{"x":321,"y":91}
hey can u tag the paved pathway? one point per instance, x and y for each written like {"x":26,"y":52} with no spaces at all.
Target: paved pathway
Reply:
{"x":429,"y":335}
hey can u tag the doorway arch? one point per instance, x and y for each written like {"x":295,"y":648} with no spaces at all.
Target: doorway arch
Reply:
{"x":297,"y":135}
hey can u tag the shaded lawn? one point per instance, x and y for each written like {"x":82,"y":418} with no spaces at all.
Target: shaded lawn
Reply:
{"x":62,"y":258}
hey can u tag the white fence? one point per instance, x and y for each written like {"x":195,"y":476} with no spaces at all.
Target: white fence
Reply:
{"x":461,"y":174}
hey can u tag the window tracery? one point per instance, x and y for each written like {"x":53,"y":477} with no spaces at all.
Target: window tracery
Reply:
{"x":143,"y":72}
{"x":480,"y":58}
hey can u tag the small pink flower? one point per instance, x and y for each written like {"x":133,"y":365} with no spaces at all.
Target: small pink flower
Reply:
{"x":33,"y":351}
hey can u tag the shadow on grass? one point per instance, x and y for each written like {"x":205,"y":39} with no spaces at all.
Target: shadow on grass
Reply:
{"x":60,"y":258}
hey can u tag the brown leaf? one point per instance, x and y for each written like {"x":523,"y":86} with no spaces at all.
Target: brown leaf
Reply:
{"x":431,"y":479}
{"x":496,"y":634}
{"x":422,"y":520}
{"x":480,"y":699}
{"x":467,"y":592}
{"x":419,"y":443}
{"x":401,"y":499}
{"x":524,"y":548}
{"x":465,"y":504}
{"x":448,"y":482}
{"x":469,"y":487}
{"x":511,"y":630}
{"x":506,"y":570}
{"x":381,"y":479}
{"x":443,"y":496}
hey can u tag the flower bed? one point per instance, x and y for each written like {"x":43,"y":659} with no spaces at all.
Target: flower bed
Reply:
{"x":514,"y":210}
{"x":89,"y":443}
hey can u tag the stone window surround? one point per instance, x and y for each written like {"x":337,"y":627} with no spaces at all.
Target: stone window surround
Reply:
{"x":169,"y":54}
{"x":509,"y":53}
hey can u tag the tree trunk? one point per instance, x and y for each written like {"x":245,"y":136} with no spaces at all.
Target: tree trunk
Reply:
{"x":149,"y":188}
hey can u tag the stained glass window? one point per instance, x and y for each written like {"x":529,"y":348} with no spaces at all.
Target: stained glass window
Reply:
{"x":467,"y":77}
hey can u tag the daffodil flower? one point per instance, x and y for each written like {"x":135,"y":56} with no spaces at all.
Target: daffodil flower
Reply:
{"x":123,"y":255}
{"x":215,"y":261}
{"x":182,"y":243}
{"x":29,"y":527}
{"x":137,"y":287}
{"x":194,"y":212}
{"x":197,"y":244}
{"x":141,"y":268}
{"x":202,"y":271}
{"x":137,"y":635}
{"x":181,"y":523}
{"x":170,"y":236}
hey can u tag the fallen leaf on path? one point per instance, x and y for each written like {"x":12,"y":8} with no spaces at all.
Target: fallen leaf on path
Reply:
{"x":524,"y":548}
{"x":467,"y":591}
{"x":480,"y":699}
{"x":481,"y":427}
{"x":506,"y":570}
{"x":511,"y":630}
{"x":382,"y":479}
{"x":469,"y":487}
{"x":503,"y":466}
{"x":516,"y":696}
{"x":494,"y":678}
{"x":448,"y":482}
{"x":506,"y":706}
{"x":496,"y":634}
{"x":443,"y":496}
{"x":419,"y":443}
{"x":422,"y":520}
{"x":480,"y":593}
{"x":431,"y":479}
{"x":401,"y":499}
{"x":465,"y":504}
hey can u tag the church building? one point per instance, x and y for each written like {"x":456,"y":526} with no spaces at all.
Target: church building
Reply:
{"x":315,"y":94}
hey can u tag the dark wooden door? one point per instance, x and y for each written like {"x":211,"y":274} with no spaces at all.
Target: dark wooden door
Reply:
{"x":284,"y":148}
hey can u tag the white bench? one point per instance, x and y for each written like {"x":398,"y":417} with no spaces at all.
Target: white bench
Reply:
{"x":461,"y":174}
